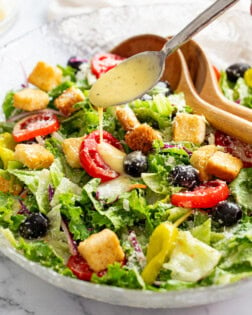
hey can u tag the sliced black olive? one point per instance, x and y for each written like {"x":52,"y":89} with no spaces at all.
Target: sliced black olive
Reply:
{"x":75,"y":62}
{"x":236,"y":71}
{"x":135,"y":163}
{"x":35,"y":225}
{"x":184,"y":176}
{"x":226,"y":213}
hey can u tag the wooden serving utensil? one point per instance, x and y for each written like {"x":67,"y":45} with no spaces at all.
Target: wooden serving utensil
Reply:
{"x":177,"y":73}
{"x":205,"y":83}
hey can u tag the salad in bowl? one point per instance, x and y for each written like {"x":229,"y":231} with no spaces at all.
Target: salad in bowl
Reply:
{"x":146,"y":196}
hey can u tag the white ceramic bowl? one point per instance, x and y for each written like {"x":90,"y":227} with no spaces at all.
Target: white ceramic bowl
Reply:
{"x":225,"y":41}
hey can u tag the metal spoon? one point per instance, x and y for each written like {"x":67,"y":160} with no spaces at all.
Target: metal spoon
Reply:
{"x":135,"y":76}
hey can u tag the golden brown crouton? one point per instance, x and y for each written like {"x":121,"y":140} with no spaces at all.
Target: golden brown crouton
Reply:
{"x":200,"y":157}
{"x":8,"y":186}
{"x":224,"y":166}
{"x":45,"y":77}
{"x":127,"y":118}
{"x":66,"y":101}
{"x":141,"y":138}
{"x":31,"y":99}
{"x":187,"y":127}
{"x":34,"y":156}
{"x":71,"y":148}
{"x":101,"y":249}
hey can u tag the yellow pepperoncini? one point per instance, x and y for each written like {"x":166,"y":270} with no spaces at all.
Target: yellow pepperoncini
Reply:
{"x":161,"y":244}
{"x":248,"y":77}
{"x":7,"y":145}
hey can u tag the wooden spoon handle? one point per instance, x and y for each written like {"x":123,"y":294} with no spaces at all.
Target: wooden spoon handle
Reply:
{"x":218,"y":118}
{"x":205,"y":83}
{"x":212,"y":94}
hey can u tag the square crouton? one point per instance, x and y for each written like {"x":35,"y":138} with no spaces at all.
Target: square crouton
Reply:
{"x":71,"y":148}
{"x":45,"y":77}
{"x":127,"y":118}
{"x":224,"y":166}
{"x":187,"y":127}
{"x":31,"y":99}
{"x":101,"y":249}
{"x":200,"y":157}
{"x":34,"y":156}
{"x":66,"y":101}
{"x":141,"y":138}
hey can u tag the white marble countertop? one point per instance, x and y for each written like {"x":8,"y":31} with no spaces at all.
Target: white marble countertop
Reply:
{"x":22,"y":293}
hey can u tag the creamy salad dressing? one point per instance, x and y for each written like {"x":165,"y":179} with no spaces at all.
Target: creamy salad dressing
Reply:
{"x":100,"y":116}
{"x":125,"y":82}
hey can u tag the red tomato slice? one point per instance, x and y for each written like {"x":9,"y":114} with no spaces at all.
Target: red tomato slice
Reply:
{"x":204,"y":196}
{"x":101,"y":63}
{"x":91,"y":160}
{"x":80,"y":268}
{"x":33,"y":126}
{"x":217,"y":73}
{"x":235,"y":147}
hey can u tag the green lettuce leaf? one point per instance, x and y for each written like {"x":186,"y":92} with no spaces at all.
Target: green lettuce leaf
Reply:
{"x":56,"y":238}
{"x":54,"y":93}
{"x":37,"y":182}
{"x":9,"y":218}
{"x":41,"y":252}
{"x":236,"y":249}
{"x":241,"y":189}
{"x":121,"y":277}
{"x":7,"y":105}
{"x":60,"y":166}
{"x":203,"y":232}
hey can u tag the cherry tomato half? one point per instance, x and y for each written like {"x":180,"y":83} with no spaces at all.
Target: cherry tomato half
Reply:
{"x":204,"y":196}
{"x":80,"y":268}
{"x":101,"y":63}
{"x":91,"y":160}
{"x":235,"y":147}
{"x":217,"y":73}
{"x":33,"y":126}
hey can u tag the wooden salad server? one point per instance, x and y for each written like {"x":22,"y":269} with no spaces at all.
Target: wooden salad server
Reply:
{"x":205,"y":83}
{"x":178,"y":75}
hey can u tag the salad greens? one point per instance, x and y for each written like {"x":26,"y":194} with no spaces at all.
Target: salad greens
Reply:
{"x":75,"y":205}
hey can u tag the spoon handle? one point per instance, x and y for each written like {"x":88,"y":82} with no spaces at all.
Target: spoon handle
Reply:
{"x":200,"y":22}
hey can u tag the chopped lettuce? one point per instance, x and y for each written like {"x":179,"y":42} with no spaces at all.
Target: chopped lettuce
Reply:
{"x":241,"y":189}
{"x":56,"y":238}
{"x":238,"y":92}
{"x":37,"y":182}
{"x":65,"y":200}
{"x":121,"y":277}
{"x":9,"y":218}
{"x":236,"y":249}
{"x":60,"y":165}
{"x":86,"y":120}
{"x":203,"y":232}
{"x":7,"y":105}
{"x":54,"y":93}
{"x":191,"y":259}
{"x":41,"y":252}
